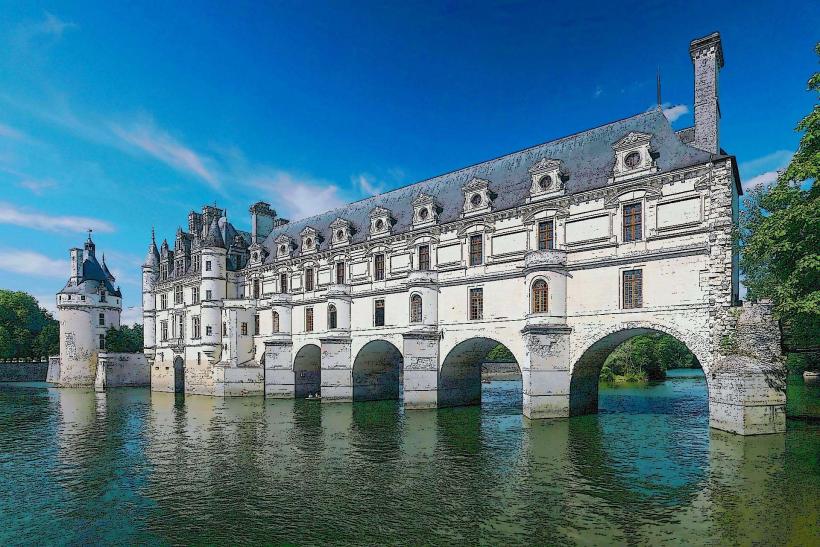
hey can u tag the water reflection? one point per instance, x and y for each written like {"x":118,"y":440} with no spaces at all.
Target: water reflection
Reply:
{"x":133,"y":466}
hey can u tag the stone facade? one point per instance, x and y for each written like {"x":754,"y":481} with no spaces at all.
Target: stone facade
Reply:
{"x":560,"y":252}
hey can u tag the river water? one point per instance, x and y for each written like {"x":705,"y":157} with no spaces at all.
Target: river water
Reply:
{"x":132,"y":466}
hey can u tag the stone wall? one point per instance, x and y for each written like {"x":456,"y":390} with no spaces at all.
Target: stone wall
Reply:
{"x":23,"y":372}
{"x":122,"y":370}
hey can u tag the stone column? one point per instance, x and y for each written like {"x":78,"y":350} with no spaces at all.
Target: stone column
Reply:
{"x":545,"y":372}
{"x":337,"y":369}
{"x":421,"y":360}
{"x":279,"y":377}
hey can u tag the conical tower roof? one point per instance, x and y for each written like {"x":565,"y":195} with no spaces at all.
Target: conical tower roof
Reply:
{"x":214,"y":237}
{"x":152,"y":258}
{"x":106,"y":271}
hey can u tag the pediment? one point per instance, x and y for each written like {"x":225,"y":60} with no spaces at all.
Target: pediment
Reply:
{"x":339,"y":223}
{"x":476,"y":183}
{"x":544,"y":165}
{"x":633,"y":138}
{"x":378,"y":212}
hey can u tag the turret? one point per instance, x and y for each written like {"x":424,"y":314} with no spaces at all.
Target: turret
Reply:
{"x":213,"y":268}
{"x":150,"y":274}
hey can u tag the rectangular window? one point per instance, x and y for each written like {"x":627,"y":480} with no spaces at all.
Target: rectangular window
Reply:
{"x":256,"y":324}
{"x":476,"y":249}
{"x":545,"y":236}
{"x":195,"y":326}
{"x":476,"y":304}
{"x":378,"y":266}
{"x":256,"y":288}
{"x":178,"y":294}
{"x":209,"y":330}
{"x":340,"y":273}
{"x":224,"y":329}
{"x":163,"y":331}
{"x":195,"y":295}
{"x":163,"y":301}
{"x":102,"y":341}
{"x":633,"y":289}
{"x":308,"y":279}
{"x":102,"y":297}
{"x":632,"y":222}
{"x":378,"y":313}
{"x":424,"y":257}
{"x":180,"y":326}
{"x":244,"y":329}
{"x":283,"y":283}
{"x":102,"y":319}
{"x":308,"y":319}
{"x":207,"y":265}
{"x":208,"y":294}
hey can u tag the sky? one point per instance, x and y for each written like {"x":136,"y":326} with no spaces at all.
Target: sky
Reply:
{"x":124,"y":116}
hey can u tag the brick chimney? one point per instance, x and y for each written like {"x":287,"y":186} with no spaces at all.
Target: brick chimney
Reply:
{"x":76,"y":265}
{"x":707,"y":58}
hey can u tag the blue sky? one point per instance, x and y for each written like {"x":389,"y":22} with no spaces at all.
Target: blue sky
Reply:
{"x":126,"y":116}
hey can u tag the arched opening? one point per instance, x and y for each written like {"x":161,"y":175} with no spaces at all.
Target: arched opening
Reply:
{"x":634,"y":357}
{"x":415,"y":308}
{"x":179,"y":375}
{"x":275,"y":322}
{"x":376,"y":372}
{"x":307,"y":371}
{"x":476,"y":369}
{"x":332,"y":317}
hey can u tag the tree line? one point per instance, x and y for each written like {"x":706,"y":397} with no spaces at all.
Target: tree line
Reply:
{"x":27,"y":331}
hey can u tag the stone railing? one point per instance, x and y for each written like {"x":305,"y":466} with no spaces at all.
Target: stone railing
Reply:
{"x":336,"y":290}
{"x":552,"y":258}
{"x":422,"y":277}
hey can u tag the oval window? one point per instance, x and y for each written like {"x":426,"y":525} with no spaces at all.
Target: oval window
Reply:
{"x":632,"y":160}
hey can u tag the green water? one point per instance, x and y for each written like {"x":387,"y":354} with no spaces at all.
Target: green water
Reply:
{"x":131,"y":466}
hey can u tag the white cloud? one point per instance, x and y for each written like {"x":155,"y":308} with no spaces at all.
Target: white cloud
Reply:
{"x":37,"y":187}
{"x":299,"y":197}
{"x":10,"y":214}
{"x":31,"y":263}
{"x":11,"y":133}
{"x":367,"y":184}
{"x":764,"y":179}
{"x":673,"y":112}
{"x":770,"y":162}
{"x":131,"y":315}
{"x":47,"y":301}
{"x":157,"y":143}
{"x":53,"y":25}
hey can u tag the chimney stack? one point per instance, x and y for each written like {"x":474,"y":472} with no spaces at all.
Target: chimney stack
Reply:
{"x":76,"y":265}
{"x":707,"y":58}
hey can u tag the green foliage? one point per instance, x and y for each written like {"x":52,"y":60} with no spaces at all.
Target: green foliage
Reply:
{"x":500,"y":354}
{"x":26,"y":330}
{"x":780,"y":237}
{"x":607,"y":375}
{"x":647,"y":357}
{"x":124,"y":339}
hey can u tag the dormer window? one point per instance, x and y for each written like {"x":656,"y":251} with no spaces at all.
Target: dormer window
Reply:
{"x":380,"y":222}
{"x":425,"y":210}
{"x":548,"y":177}
{"x":342,"y":231}
{"x":284,"y":246}
{"x":309,"y":240}
{"x":477,"y":197}
{"x":633,"y":156}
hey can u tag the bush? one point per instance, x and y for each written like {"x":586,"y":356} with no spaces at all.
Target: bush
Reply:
{"x":124,"y":339}
{"x":607,"y":375}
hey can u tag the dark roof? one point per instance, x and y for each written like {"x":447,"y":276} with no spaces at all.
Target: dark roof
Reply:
{"x":588,"y":160}
{"x":93,"y":276}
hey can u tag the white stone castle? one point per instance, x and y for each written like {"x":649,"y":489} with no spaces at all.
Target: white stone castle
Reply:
{"x":560,"y":252}
{"x":87,"y":307}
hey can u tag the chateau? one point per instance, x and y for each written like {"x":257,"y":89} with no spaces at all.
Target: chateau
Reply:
{"x":560,"y":252}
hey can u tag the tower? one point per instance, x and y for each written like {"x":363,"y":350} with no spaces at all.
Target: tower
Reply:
{"x":87,"y":307}
{"x":213,"y":289}
{"x":150,"y":274}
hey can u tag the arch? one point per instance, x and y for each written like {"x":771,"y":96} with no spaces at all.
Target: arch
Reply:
{"x":275,"y":321}
{"x":307,"y":371}
{"x":539,"y":296}
{"x":376,"y":371}
{"x":459,"y":379}
{"x":179,"y":375}
{"x":586,"y":364}
{"x":332,"y":317}
{"x":416,"y":309}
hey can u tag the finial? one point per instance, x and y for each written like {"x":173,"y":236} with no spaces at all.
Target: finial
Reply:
{"x":659,"y":86}
{"x":153,"y":236}
{"x":89,"y":233}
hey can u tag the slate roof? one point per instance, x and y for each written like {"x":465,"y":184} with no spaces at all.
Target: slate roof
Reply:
{"x":93,"y":276}
{"x":588,"y":159}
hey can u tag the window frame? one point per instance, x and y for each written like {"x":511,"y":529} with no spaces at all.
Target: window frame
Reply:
{"x":632,"y":222}
{"x":283,"y":282}
{"x":476,"y":249}
{"x":632,"y":295}
{"x":379,"y":312}
{"x":539,"y":296}
{"x":476,"y":295}
{"x":378,"y":266}
{"x":332,"y":317}
{"x":424,"y":257}
{"x":309,"y":279}
{"x":195,"y":327}
{"x":416,"y":308}
{"x":101,"y":319}
{"x":340,"y":273}
{"x":309,"y":325}
{"x":545,"y":235}
{"x":275,"y":321}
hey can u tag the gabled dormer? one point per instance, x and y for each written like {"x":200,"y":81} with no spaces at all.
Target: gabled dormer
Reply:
{"x":310,"y":240}
{"x":425,"y":211}
{"x":284,"y":247}
{"x":341,"y":232}
{"x":381,"y":222}
{"x":547,"y":179}
{"x":634,"y":156}
{"x":477,"y":197}
{"x":257,"y":254}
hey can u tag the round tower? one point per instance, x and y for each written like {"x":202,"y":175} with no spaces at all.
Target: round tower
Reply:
{"x":212,"y":289}
{"x":150,"y":274}
{"x":87,"y":307}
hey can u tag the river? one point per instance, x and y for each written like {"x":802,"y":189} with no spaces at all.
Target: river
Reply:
{"x":132,"y":466}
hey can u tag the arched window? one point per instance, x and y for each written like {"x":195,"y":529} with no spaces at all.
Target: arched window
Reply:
{"x":415,"y":308}
{"x":539,"y":296}
{"x":331,"y":316}
{"x":275,"y":321}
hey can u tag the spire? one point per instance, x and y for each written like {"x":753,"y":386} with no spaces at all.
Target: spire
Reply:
{"x":152,"y":258}
{"x":659,"y":87}
{"x":89,"y":245}
{"x":214,"y":237}
{"x":106,"y":271}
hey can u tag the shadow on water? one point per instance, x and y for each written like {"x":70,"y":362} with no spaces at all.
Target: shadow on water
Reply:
{"x":134,"y":466}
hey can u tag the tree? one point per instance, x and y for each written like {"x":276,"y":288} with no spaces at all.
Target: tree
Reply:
{"x":124,"y":339}
{"x":26,"y":330}
{"x":780,"y":237}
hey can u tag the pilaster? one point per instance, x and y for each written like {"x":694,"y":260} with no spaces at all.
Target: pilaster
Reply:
{"x":337,"y":369}
{"x":545,"y":372}
{"x":279,"y":376}
{"x":421,"y":360}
